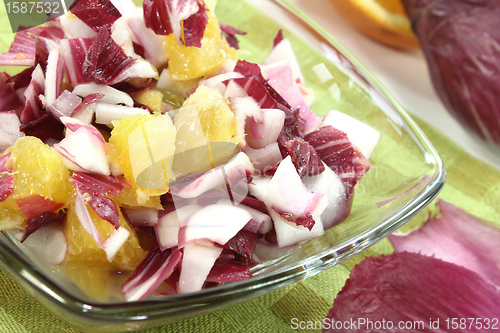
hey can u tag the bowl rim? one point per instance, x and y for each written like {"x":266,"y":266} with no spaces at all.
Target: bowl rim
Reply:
{"x":46,"y":290}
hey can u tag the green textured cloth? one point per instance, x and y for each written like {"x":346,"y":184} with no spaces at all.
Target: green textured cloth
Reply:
{"x":471,"y":184}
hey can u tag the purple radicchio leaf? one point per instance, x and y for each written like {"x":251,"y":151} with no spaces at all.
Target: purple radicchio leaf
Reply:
{"x":456,"y":237}
{"x":105,"y":60}
{"x":95,"y":13}
{"x":404,"y":287}
{"x":461,"y":43}
{"x":186,"y":19}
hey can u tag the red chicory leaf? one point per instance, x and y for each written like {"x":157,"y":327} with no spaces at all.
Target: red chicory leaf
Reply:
{"x":35,"y":205}
{"x":151,"y":272}
{"x":257,"y":87}
{"x":33,"y":106}
{"x":105,"y":60}
{"x":460,"y":41}
{"x":22,"y":50}
{"x":74,"y":52}
{"x":304,"y":157}
{"x":95,"y":13}
{"x":97,"y":183}
{"x":45,"y":127}
{"x":96,"y":187}
{"x":306,"y":220}
{"x":22,"y":79}
{"x":6,"y":178}
{"x":243,"y":243}
{"x":194,"y":26}
{"x":8,"y":98}
{"x":278,"y":38}
{"x":404,"y":287}
{"x":228,"y":271}
{"x":186,"y":19}
{"x":230,"y":32}
{"x":338,"y":153}
{"x":41,"y":221}
{"x":456,"y":237}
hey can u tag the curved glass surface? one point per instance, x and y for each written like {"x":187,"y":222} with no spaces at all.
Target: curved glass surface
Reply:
{"x":406,"y":175}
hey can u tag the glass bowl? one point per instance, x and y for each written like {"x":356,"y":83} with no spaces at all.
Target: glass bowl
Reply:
{"x":406,"y":175}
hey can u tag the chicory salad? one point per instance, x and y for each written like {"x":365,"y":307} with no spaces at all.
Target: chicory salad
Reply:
{"x":137,"y":151}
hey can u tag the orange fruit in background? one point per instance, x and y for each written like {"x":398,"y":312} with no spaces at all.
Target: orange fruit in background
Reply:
{"x":383,"y":20}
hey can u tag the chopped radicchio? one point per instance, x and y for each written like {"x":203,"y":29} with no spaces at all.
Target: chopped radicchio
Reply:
{"x":405,"y":286}
{"x":22,"y":50}
{"x":194,"y":26}
{"x":74,"y":52}
{"x":186,"y":19}
{"x":6,"y":178}
{"x":42,"y":50}
{"x":45,"y":128}
{"x":257,"y":87}
{"x":36,"y":205}
{"x":36,"y":121}
{"x":115,"y":240}
{"x":278,"y":38}
{"x":41,"y":221}
{"x":228,"y":271}
{"x":95,"y":13}
{"x":34,"y":106}
{"x":97,"y":183}
{"x":230,"y":32}
{"x":151,"y":272}
{"x":243,"y":243}
{"x":53,"y":77}
{"x":338,"y":153}
{"x":8,"y":98}
{"x":305,"y":220}
{"x":95,"y":187}
{"x":83,"y":148}
{"x":22,"y":79}
{"x":304,"y":157}
{"x":105,"y":60}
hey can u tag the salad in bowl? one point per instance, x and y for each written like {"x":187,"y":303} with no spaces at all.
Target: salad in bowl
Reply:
{"x":159,"y":161}
{"x":140,"y":146}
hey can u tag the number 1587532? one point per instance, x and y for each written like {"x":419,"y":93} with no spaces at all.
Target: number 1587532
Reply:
{"x":31,"y":7}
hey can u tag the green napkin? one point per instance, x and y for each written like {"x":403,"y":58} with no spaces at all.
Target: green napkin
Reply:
{"x":472,"y":185}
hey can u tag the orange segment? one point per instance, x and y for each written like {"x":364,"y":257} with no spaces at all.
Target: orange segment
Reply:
{"x":146,"y":144}
{"x":37,"y":170}
{"x":215,"y":115}
{"x":383,"y":20}
{"x":187,"y":63}
{"x":86,"y":264}
{"x":152,"y":98}
{"x":83,"y":249}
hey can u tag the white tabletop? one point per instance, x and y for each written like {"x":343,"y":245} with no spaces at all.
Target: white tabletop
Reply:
{"x":403,"y":73}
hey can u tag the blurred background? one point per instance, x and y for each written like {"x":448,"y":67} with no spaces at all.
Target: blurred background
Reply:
{"x":402,"y":71}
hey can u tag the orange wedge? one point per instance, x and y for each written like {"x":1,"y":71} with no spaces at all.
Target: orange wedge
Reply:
{"x":383,"y":20}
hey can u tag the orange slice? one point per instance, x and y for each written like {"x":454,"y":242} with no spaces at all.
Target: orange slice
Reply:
{"x":383,"y":20}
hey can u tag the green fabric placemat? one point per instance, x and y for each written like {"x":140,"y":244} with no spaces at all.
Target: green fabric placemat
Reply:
{"x":472,"y":185}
